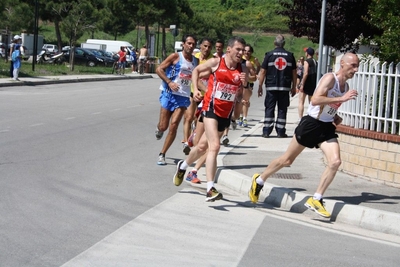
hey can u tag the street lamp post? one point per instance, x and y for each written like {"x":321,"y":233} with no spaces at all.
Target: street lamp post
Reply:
{"x":321,"y":39}
{"x":35,"y":36}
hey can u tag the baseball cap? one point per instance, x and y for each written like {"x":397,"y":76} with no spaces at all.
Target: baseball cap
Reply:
{"x":16,"y":37}
{"x":309,"y":51}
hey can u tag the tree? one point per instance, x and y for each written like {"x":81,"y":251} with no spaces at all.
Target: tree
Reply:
{"x":77,"y":17}
{"x":346,"y":20}
{"x":385,"y":15}
{"x":121,"y":18}
{"x":180,"y":16}
{"x":16,"y":16}
{"x":49,"y":12}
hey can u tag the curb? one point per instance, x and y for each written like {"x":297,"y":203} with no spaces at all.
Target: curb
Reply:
{"x":293,"y":201}
{"x":75,"y":79}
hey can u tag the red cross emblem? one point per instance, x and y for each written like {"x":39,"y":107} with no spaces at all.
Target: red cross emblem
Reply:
{"x":280,"y":63}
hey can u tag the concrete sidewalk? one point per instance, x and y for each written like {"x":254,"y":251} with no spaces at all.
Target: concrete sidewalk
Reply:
{"x":351,"y":200}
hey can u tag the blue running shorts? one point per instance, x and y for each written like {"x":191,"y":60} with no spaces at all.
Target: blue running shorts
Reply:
{"x":171,"y":102}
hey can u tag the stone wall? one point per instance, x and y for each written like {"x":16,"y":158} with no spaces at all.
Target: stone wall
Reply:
{"x":370,"y":155}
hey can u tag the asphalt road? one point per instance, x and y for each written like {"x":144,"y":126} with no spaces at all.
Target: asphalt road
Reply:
{"x":80,"y":186}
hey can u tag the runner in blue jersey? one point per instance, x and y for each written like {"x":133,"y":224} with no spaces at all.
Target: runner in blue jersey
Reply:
{"x":176,"y":74}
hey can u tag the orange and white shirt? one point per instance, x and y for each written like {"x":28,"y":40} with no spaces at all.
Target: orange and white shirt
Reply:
{"x":223,"y":86}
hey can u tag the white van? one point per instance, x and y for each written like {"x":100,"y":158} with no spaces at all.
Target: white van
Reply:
{"x":111,"y":46}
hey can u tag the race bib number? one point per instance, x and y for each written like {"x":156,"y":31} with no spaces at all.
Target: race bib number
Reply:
{"x":185,"y":80}
{"x":225,"y":92}
{"x":330,"y":110}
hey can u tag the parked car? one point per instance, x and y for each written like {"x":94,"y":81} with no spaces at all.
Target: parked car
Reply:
{"x":84,"y":57}
{"x":108,"y":60}
{"x":51,"y":48}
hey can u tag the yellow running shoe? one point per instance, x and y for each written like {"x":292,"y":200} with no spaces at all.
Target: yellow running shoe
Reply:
{"x":317,"y":206}
{"x":255,"y":189}
{"x":179,"y":174}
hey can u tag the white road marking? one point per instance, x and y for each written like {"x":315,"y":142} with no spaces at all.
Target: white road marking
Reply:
{"x":220,"y":232}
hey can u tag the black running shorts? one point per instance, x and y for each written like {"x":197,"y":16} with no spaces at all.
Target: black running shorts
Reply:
{"x":222,"y":122}
{"x":311,"y":132}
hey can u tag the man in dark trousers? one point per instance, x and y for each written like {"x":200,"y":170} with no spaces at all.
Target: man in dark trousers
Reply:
{"x":278,"y":70}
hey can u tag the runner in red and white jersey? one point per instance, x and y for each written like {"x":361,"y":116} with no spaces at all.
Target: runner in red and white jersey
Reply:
{"x":225,"y":84}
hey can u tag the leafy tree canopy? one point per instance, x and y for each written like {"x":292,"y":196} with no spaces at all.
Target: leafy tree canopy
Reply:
{"x":345,"y":21}
{"x":385,"y":15}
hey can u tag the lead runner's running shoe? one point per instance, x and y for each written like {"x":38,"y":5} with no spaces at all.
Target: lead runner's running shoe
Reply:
{"x":255,"y":189}
{"x":317,"y":206}
{"x":179,"y":174}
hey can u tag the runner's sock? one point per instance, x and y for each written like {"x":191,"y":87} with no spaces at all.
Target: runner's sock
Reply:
{"x":317,"y":196}
{"x":210,"y":185}
{"x":260,"y":181}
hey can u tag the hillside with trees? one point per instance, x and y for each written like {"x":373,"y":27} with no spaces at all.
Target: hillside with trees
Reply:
{"x":346,"y":20}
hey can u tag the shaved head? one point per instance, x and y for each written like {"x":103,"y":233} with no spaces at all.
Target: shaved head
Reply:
{"x":350,"y":57}
{"x":349,"y":65}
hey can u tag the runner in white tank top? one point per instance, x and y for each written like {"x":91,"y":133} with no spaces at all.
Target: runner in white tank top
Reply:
{"x":317,"y":128}
{"x":326,"y":113}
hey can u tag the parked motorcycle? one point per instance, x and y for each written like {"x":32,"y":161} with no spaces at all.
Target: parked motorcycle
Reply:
{"x":45,"y":57}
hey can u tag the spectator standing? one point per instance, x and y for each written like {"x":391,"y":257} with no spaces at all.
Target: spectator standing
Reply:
{"x":300,"y":70}
{"x":143,"y":54}
{"x":309,"y":81}
{"x":133,"y":57}
{"x":16,"y":40}
{"x":122,"y":60}
{"x":16,"y":60}
{"x":278,"y":70}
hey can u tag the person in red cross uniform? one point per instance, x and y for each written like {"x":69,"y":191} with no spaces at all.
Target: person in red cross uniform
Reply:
{"x":278,"y":73}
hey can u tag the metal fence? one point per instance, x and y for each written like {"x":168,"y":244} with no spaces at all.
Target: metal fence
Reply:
{"x":377,"y":105}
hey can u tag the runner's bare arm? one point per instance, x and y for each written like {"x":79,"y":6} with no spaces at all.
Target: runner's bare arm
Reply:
{"x":202,"y":70}
{"x":326,"y":83}
{"x":252,"y":72}
{"x":170,"y":60}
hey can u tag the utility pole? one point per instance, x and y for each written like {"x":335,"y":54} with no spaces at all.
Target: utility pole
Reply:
{"x":35,"y":36}
{"x":321,"y":39}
